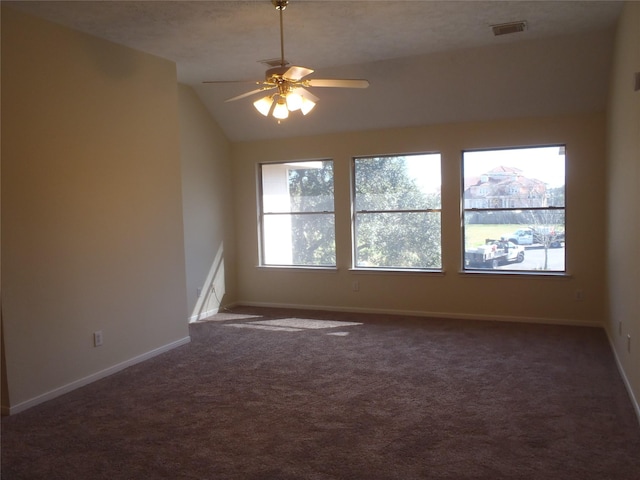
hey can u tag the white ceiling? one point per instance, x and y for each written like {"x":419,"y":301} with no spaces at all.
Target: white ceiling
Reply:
{"x":427,"y":61}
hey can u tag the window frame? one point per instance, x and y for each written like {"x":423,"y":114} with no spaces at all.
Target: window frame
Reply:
{"x":262,"y":244}
{"x":355,"y":212}
{"x":463,"y":210}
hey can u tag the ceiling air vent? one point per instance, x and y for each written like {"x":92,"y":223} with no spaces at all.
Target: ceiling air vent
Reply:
{"x":506,"y":28}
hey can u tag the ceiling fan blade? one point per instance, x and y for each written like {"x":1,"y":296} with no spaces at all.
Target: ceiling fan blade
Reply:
{"x":252,"y":92}
{"x":306,"y":94}
{"x":319,"y":82}
{"x":296,"y":73}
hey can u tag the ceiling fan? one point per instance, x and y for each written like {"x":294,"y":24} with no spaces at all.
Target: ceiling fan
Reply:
{"x":290,"y":87}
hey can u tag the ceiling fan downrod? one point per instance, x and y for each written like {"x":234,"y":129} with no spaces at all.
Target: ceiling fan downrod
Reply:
{"x":280,"y":6}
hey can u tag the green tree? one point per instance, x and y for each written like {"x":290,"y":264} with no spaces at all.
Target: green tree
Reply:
{"x":313,"y":232}
{"x":393,"y":228}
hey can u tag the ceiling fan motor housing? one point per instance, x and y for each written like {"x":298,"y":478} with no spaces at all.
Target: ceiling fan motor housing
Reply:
{"x":275,"y":76}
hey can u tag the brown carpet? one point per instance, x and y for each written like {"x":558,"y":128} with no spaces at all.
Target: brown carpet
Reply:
{"x":388,"y":398}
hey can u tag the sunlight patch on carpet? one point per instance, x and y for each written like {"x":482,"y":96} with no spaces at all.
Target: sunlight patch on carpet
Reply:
{"x":295,"y":325}
{"x":338,"y":334}
{"x":223,"y":317}
{"x":304,"y":323}
{"x":264,"y":327}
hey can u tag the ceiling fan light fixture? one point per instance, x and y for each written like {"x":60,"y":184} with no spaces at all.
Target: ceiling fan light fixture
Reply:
{"x":281,"y":111}
{"x":294,"y":101}
{"x":307,"y":105}
{"x":264,"y":105}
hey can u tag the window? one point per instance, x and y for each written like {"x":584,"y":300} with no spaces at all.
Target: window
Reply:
{"x":397,"y":212}
{"x":514,"y":209}
{"x":297,"y":214}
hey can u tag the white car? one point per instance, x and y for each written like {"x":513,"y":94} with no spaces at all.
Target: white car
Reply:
{"x":542,"y":235}
{"x":524,"y":236}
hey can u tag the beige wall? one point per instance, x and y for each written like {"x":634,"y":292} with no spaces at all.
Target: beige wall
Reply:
{"x":623,"y":246}
{"x":453,"y":294}
{"x":92,"y":233}
{"x":207,"y":208}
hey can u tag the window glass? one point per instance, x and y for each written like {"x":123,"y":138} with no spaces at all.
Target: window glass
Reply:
{"x":397,"y":212}
{"x":297,"y":213}
{"x":514,"y":209}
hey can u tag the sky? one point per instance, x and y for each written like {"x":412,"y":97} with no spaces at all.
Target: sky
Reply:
{"x":542,"y":163}
{"x":426,"y":171}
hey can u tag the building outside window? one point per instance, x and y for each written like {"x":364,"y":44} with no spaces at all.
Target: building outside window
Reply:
{"x":514,"y":209}
{"x":297,"y":217}
{"x":396,"y":212}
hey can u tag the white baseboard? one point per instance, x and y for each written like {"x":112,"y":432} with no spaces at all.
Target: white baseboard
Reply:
{"x":416,"y":313}
{"x":92,"y":378}
{"x":625,"y":379}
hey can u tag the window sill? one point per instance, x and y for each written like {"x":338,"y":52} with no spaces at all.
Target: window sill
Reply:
{"x":298,"y":268}
{"x":396,"y":271}
{"x":514,"y":274}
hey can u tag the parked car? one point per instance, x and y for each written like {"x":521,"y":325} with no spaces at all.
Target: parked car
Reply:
{"x":537,"y":236}
{"x":523,"y":236}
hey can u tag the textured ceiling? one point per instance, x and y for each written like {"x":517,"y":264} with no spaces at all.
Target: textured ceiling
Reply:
{"x":427,"y":61}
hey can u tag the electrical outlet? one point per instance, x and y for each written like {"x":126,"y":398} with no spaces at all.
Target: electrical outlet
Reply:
{"x":97,"y":338}
{"x":579,"y":295}
{"x":198,"y":292}
{"x":355,"y":286}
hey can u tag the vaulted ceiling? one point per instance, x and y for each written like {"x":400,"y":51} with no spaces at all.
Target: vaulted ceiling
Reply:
{"x":427,"y":61}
